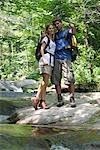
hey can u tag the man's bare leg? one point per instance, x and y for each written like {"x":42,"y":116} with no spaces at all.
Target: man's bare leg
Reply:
{"x":72,"y":91}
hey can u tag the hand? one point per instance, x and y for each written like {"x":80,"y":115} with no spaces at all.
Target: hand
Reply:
{"x":45,"y":62}
{"x":71,"y":25}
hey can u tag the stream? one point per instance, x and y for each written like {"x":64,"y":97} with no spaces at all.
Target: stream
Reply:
{"x":28,"y":137}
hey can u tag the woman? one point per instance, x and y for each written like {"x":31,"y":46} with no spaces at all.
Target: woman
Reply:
{"x":46,"y":63}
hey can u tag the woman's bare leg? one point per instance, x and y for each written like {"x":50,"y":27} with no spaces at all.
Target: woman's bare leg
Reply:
{"x":44,"y":85}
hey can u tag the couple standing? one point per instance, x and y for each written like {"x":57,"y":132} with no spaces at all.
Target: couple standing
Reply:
{"x":57,"y":60}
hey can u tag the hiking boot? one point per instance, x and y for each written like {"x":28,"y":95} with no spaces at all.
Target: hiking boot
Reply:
{"x":72,"y":102}
{"x":60,"y":101}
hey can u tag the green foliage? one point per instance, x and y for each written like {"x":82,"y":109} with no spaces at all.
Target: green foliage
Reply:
{"x":34,"y":75}
{"x":83,"y":65}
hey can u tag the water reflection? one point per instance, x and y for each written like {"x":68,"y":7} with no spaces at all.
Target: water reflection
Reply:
{"x":26,"y":137}
{"x":69,"y":139}
{"x":41,"y":132}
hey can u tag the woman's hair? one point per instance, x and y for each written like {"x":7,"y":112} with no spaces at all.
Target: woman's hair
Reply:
{"x":48,"y":27}
{"x":46,"y":30}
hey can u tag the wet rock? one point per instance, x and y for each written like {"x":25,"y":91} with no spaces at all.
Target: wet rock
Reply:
{"x":55,"y":147}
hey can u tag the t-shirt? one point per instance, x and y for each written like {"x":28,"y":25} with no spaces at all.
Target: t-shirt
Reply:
{"x":62,"y":40}
{"x":48,"y":58}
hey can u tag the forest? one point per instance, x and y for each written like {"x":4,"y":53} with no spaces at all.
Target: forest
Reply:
{"x":21,"y":22}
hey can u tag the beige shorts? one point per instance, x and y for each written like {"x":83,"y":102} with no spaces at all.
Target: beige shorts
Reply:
{"x":64,"y":68}
{"x":46,"y":69}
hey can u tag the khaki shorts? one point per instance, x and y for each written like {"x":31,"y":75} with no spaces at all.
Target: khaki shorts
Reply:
{"x":46,"y":69}
{"x":65,"y":68}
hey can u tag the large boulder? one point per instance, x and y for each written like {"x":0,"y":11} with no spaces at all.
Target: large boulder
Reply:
{"x":26,"y":83}
{"x":18,"y":86}
{"x":72,"y":116}
{"x":9,"y":86}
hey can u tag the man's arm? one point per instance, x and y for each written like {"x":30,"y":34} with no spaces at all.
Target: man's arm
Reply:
{"x":71,"y":25}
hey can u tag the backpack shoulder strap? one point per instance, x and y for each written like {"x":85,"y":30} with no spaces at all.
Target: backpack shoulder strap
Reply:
{"x":67,"y":34}
{"x":48,"y":41}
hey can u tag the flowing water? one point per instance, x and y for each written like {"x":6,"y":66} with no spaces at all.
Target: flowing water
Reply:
{"x":21,"y":137}
{"x":28,"y":137}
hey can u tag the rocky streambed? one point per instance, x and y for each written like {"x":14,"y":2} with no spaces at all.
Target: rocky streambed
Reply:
{"x":63,"y":128}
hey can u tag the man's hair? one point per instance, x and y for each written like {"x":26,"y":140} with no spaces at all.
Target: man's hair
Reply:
{"x":56,"y":19}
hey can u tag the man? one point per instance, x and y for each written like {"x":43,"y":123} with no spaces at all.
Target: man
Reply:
{"x":63,"y":61}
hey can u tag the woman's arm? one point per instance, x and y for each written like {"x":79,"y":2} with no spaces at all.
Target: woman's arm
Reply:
{"x":43,"y":46}
{"x":42,"y":50}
